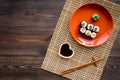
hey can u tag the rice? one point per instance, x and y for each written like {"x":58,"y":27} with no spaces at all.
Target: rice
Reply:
{"x":93,"y":35}
{"x":82,"y":30}
{"x":96,"y":29}
{"x":83,"y":24}
{"x":88,"y":33}
{"x":90,"y":26}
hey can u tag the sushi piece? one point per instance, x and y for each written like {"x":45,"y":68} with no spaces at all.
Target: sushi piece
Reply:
{"x":88,"y":33}
{"x":82,"y":30}
{"x":90,"y":26}
{"x":96,"y":29}
{"x":83,"y":24}
{"x":93,"y":35}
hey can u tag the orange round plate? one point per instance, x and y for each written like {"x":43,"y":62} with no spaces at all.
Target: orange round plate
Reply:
{"x":84,"y":13}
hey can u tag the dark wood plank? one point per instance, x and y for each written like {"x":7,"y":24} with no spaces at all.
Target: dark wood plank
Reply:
{"x":25,"y":67}
{"x":26,"y":27}
{"x":112,"y":69}
{"x":116,"y":47}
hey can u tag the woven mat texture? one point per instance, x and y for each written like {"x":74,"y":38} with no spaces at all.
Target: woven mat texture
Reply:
{"x":56,"y":64}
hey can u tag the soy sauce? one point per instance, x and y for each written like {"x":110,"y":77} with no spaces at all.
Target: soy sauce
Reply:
{"x":65,"y":51}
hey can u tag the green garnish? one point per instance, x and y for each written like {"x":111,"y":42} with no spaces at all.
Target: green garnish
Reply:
{"x":95,"y":17}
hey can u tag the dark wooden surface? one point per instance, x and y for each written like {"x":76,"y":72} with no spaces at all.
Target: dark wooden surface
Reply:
{"x":26,"y":27}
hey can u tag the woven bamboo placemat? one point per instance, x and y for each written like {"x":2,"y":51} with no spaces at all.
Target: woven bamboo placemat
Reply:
{"x":55,"y":64}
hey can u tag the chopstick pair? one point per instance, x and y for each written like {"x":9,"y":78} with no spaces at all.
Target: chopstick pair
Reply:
{"x":82,"y":66}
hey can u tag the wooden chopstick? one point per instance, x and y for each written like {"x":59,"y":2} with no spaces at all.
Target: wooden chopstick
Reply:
{"x":80,"y":66}
{"x":94,"y":58}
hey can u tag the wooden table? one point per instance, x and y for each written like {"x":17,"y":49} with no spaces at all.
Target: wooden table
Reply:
{"x":26,"y":27}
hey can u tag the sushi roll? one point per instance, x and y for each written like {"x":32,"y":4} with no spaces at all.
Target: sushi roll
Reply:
{"x":90,"y":26}
{"x":82,"y":30}
{"x":83,"y":24}
{"x":93,"y":35}
{"x":88,"y":33}
{"x":96,"y":29}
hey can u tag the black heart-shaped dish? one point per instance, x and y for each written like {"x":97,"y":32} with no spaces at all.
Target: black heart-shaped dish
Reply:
{"x":65,"y":51}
